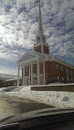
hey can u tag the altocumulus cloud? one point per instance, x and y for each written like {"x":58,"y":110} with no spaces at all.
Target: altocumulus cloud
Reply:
{"x":19,"y":25}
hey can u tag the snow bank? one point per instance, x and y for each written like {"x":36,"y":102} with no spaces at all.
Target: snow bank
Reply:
{"x":55,"y":98}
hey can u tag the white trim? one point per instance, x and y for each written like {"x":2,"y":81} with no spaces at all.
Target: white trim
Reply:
{"x":18,"y":75}
{"x":42,"y":49}
{"x":35,"y":45}
{"x":28,"y":61}
{"x":36,"y":54}
{"x":44,"y":72}
{"x":23,"y":74}
{"x":27,"y":53}
{"x":31,"y":73}
{"x":38,"y":73}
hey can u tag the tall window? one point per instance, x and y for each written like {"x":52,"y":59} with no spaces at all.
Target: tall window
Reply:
{"x":71,"y":75}
{"x":61,"y":68}
{"x":57,"y":66}
{"x":67,"y":73}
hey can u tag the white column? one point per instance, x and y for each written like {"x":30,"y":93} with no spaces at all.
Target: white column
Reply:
{"x":44,"y":72}
{"x":42,"y":48}
{"x":23,"y":75}
{"x":31,"y":73}
{"x":38,"y":73}
{"x":18,"y":75}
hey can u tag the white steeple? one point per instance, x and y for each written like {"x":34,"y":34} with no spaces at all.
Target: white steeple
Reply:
{"x":40,"y":20}
{"x":40,"y":38}
{"x":41,"y":45}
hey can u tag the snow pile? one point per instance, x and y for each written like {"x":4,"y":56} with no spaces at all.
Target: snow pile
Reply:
{"x":1,"y":89}
{"x":7,"y":89}
{"x":58,"y":99}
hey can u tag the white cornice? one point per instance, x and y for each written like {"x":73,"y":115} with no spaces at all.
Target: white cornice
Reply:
{"x":42,"y":57}
{"x":35,"y":45}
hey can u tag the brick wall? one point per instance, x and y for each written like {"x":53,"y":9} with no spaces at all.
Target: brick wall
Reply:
{"x":38,"y":48}
{"x":59,"y":71}
{"x":46,"y":50}
{"x":54,"y":72}
{"x":47,"y":74}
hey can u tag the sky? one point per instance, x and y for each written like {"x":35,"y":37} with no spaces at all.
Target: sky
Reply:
{"x":19,"y":26}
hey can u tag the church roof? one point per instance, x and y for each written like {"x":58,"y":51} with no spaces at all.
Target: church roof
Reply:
{"x":29,"y":55}
{"x":33,"y":55}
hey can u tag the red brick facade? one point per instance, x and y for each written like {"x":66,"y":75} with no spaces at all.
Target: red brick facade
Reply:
{"x":37,"y":49}
{"x":60,"y":72}
{"x":54,"y":72}
{"x":46,"y":49}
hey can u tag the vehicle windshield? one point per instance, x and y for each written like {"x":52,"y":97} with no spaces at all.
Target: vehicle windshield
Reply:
{"x":36,"y":56}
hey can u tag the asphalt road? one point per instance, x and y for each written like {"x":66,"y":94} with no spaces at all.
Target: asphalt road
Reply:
{"x":10,"y":106}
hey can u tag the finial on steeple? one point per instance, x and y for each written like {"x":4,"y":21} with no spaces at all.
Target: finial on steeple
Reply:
{"x":40,"y":20}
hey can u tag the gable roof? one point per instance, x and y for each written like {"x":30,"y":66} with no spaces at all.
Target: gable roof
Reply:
{"x":26,"y":56}
{"x":29,"y":55}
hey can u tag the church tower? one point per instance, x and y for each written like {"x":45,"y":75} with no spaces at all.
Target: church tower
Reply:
{"x":41,"y":45}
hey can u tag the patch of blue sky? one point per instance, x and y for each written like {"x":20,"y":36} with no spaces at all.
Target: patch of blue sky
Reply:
{"x":4,"y":62}
{"x":62,"y":55}
{"x":67,"y":59}
{"x":64,"y":58}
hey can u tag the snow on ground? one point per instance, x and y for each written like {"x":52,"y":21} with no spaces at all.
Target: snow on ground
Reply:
{"x":58,"y":99}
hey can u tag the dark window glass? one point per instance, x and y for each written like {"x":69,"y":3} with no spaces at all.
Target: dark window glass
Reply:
{"x":57,"y":66}
{"x":33,"y":68}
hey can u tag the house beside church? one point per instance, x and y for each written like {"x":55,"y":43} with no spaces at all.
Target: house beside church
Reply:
{"x":39,"y":67}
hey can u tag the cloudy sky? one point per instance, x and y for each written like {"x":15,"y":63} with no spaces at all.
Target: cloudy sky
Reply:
{"x":19,"y":25}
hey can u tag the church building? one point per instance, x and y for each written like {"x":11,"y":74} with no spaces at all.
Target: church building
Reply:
{"x":39,"y":67}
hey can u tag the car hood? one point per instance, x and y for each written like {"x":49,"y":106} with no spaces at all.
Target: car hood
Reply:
{"x":35,"y":114}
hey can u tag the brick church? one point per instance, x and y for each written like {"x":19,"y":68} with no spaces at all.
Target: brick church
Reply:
{"x":39,"y":67}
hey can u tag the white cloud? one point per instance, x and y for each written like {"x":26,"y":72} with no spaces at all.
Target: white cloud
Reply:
{"x":19,"y":25}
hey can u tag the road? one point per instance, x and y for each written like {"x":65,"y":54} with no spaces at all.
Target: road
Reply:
{"x":10,"y":106}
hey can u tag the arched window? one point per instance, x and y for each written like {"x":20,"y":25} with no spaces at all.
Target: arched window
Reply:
{"x":38,"y":39}
{"x":43,"y":39}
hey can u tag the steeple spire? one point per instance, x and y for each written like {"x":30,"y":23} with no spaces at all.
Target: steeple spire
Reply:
{"x":41,"y":45}
{"x":40,"y":20}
